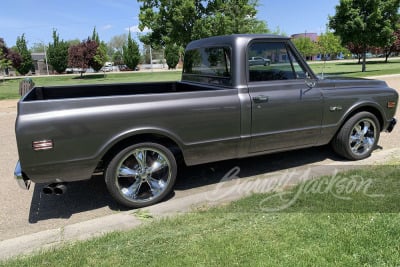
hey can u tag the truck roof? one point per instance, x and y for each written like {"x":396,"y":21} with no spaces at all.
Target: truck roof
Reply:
{"x":232,"y":39}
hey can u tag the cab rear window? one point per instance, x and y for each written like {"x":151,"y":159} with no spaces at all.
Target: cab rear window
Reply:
{"x":208,"y":65}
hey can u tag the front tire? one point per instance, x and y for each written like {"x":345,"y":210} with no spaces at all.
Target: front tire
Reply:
{"x":358,"y":136}
{"x":141,"y":175}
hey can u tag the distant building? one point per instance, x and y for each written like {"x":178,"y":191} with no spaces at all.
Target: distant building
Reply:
{"x":39,"y":64}
{"x":311,"y":35}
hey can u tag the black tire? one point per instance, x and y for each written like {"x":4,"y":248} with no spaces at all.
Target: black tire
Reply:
{"x":141,"y":175}
{"x":358,"y":136}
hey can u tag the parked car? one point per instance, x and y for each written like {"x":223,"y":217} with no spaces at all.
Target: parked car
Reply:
{"x":223,"y":108}
{"x":107,"y":68}
{"x":259,"y":61}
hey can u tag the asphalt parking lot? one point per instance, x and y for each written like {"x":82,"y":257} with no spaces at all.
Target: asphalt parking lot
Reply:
{"x":25,"y":212}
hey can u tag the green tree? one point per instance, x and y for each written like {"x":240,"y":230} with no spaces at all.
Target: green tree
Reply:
{"x":229,"y":17}
{"x":392,"y":47}
{"x":101,"y":57}
{"x":73,"y":42}
{"x":5,"y":63}
{"x":328,"y":43}
{"x":179,"y":22}
{"x":306,"y":46}
{"x":118,"y":58}
{"x":366,"y":23}
{"x":37,"y":48}
{"x":95,"y":36}
{"x":27,"y":63}
{"x":117,"y":43}
{"x":11,"y":55}
{"x":131,"y":53}
{"x":57,"y":53}
{"x":172,"y":55}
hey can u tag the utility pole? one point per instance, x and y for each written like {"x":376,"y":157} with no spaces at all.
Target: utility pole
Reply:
{"x":45,"y":57}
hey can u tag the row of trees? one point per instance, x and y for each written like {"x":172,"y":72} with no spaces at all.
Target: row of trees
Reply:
{"x":75,"y":54}
{"x":362,"y":24}
{"x":174,"y":24}
{"x":89,"y":53}
{"x":18,"y":57}
{"x":359,"y":25}
{"x":327,"y":44}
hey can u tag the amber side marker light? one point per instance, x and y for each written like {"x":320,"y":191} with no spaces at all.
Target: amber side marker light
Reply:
{"x":391,"y":104}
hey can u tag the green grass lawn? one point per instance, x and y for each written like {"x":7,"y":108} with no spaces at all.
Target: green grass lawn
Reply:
{"x":9,"y":88}
{"x":352,"y":69}
{"x":348,"y":225}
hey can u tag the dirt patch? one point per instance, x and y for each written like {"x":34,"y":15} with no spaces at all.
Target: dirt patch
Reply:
{"x":8,"y":106}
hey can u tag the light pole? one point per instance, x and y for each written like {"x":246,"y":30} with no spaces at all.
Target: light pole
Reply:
{"x":45,"y":57}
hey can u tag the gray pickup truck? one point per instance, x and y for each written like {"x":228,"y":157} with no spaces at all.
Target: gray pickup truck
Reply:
{"x":224,"y":107}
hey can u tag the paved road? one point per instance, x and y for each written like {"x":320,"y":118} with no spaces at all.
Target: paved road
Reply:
{"x":26,"y":212}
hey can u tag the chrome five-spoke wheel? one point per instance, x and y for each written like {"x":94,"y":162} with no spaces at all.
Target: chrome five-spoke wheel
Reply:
{"x":358,"y":136}
{"x":362,"y":137}
{"x":141,"y":175}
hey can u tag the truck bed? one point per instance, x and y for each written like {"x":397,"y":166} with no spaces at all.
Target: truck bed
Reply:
{"x":102,"y":90}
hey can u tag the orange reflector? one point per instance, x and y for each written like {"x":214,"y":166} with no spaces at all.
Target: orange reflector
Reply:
{"x":42,"y":145}
{"x":391,"y":104}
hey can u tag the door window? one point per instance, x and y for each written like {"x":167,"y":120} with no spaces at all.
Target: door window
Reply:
{"x":269,"y":61}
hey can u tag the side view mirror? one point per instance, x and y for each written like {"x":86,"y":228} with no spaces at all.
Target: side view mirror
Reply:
{"x":310,"y":82}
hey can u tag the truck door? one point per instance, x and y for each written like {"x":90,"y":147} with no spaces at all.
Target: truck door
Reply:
{"x":286,"y":112}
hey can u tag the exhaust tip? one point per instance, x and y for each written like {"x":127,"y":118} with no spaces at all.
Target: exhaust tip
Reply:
{"x":47,"y":190}
{"x":60,"y":189}
{"x":56,"y":189}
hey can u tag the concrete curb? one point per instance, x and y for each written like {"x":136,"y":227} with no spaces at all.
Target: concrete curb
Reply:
{"x":224,"y":192}
{"x":80,"y":231}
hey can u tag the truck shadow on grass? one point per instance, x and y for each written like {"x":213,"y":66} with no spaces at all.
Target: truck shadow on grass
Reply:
{"x":92,"y":194}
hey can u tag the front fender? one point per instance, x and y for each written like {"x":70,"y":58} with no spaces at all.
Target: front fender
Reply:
{"x":369,"y":106}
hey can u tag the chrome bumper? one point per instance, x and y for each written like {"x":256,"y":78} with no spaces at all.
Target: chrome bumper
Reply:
{"x":22,"y":181}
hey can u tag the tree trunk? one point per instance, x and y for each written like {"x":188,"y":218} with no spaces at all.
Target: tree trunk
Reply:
{"x":387,"y":54}
{"x":364,"y":63}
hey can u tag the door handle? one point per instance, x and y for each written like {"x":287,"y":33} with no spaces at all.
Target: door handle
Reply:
{"x":260,"y":99}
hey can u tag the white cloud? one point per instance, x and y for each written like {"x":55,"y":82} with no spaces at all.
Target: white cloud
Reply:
{"x":107,"y":27}
{"x":135,"y":29}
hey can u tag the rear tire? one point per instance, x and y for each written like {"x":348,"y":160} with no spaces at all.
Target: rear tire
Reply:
{"x":358,"y":136}
{"x":141,"y":175}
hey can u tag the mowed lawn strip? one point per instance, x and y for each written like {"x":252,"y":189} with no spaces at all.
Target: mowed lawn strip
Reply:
{"x":347,"y":219}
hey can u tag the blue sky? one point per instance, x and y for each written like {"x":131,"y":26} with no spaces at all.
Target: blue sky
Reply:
{"x":75,"y":19}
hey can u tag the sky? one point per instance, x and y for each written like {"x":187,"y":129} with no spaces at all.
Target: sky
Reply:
{"x":75,"y":19}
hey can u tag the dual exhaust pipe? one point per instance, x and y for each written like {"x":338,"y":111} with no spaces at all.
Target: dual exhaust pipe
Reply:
{"x":55,"y":189}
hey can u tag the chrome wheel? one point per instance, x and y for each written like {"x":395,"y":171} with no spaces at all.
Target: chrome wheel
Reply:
{"x":141,"y":175}
{"x":358,"y":136}
{"x":362,"y":137}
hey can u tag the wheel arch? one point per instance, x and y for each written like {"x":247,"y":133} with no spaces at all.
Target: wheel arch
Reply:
{"x":364,"y":107}
{"x":139,"y":136}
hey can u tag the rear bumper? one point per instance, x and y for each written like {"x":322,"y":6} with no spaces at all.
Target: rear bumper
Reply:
{"x":392,"y":123}
{"x":21,"y":179}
